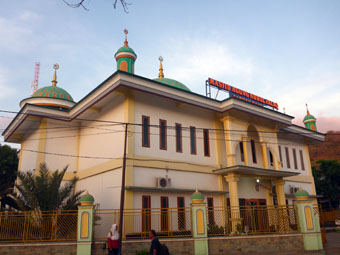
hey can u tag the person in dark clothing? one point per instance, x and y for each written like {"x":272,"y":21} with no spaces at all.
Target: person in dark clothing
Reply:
{"x":155,"y":244}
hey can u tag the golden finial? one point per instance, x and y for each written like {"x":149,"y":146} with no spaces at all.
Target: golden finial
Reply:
{"x":54,"y":81}
{"x":307,"y":110}
{"x":161,"y":74}
{"x":196,"y":190}
{"x":126,"y":42}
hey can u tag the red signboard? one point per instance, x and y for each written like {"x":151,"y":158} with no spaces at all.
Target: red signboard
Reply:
{"x":241,"y":94}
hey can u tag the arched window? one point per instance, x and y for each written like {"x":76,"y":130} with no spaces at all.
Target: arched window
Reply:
{"x":123,"y":66}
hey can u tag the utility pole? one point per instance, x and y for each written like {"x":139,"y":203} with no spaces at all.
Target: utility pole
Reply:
{"x":122,"y":192}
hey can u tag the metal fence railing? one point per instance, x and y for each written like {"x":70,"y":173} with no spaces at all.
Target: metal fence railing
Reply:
{"x":168,"y":222}
{"x":33,"y":226}
{"x":251,"y":220}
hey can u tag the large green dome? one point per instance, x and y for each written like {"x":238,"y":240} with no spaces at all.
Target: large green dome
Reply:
{"x":53,"y":92}
{"x":172,"y":83}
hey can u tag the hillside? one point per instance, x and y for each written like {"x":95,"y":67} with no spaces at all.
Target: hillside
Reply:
{"x":329,"y":149}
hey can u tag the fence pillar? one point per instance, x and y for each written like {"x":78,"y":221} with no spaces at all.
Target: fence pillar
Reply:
{"x":199,"y":224}
{"x":85,"y":225}
{"x":308,"y":221}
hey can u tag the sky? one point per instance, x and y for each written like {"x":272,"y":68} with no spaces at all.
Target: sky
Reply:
{"x":285,"y":51}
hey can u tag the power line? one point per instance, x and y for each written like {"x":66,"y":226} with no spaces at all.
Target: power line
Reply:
{"x":170,"y":127}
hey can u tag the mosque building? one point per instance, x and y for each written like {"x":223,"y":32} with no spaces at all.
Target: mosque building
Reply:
{"x":239,"y":151}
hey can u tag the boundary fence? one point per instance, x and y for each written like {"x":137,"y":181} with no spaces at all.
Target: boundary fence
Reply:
{"x":34,"y":226}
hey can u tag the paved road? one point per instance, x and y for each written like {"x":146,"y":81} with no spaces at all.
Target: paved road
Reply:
{"x":332,"y":247}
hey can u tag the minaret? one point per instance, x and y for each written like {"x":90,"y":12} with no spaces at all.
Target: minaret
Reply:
{"x":310,"y":121}
{"x":126,"y":57}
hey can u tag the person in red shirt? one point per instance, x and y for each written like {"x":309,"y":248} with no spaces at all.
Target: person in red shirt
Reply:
{"x":113,"y":240}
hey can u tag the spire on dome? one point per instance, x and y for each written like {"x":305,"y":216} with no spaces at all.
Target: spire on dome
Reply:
{"x":126,"y":44}
{"x":307,"y":110}
{"x":161,"y":74}
{"x":54,"y":81}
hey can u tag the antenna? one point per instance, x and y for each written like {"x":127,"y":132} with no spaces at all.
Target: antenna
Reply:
{"x":34,"y":82}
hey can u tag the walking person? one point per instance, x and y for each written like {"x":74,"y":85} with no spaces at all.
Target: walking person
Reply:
{"x":155,"y":244}
{"x":113,"y":241}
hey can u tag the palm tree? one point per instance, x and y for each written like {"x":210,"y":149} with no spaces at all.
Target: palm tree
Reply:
{"x":45,"y":191}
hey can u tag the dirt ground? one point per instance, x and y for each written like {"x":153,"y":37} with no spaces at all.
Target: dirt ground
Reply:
{"x":332,"y":247}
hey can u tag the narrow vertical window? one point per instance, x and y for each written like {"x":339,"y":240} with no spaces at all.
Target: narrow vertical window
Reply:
{"x":253,"y":151}
{"x":302,"y":161}
{"x":241,"y":151}
{"x":181,"y":213}
{"x":287,"y":157}
{"x":206,"y":142}
{"x":280,"y":154}
{"x":178,"y":137}
{"x":193,"y":140}
{"x":145,"y":131}
{"x":146,"y":213}
{"x":164,"y":213}
{"x":162,"y":135}
{"x":295,"y":159}
{"x":271,"y":159}
{"x":211,"y":218}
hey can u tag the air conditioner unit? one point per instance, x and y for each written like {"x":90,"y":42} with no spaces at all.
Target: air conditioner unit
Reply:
{"x":163,"y":182}
{"x":293,"y":190}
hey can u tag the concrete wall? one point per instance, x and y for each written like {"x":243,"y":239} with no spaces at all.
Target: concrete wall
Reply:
{"x":161,"y":108}
{"x":108,"y":141}
{"x":39,"y":248}
{"x":262,"y":245}
{"x":29,"y":159}
{"x":104,"y":187}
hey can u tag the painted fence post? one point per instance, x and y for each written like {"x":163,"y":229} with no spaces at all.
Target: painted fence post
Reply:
{"x":85,"y":225}
{"x":308,"y":221}
{"x":199,"y":224}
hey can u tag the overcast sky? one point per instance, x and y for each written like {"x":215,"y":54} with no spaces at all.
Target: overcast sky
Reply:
{"x":285,"y":51}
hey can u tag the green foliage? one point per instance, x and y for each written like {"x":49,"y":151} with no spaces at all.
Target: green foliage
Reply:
{"x":8,"y":173}
{"x":143,"y":252}
{"x":327,"y":180}
{"x":214,"y":229}
{"x":45,"y":191}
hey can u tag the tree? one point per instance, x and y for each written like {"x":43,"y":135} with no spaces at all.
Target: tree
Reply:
{"x":45,"y":191}
{"x":327,"y":180}
{"x":80,"y":3}
{"x":8,"y":174}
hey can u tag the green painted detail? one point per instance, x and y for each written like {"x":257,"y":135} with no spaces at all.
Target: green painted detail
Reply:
{"x":129,"y":64}
{"x":125,"y":49}
{"x":172,"y":83}
{"x":87,"y":198}
{"x":201,"y":247}
{"x":301,"y":193}
{"x":197,"y":195}
{"x":53,"y":92}
{"x":309,"y":117}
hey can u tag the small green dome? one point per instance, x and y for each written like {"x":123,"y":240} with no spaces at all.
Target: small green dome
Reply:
{"x":197,"y":196}
{"x":87,"y":198}
{"x":53,"y":92}
{"x":309,"y":117}
{"x":172,"y":83}
{"x":301,"y":193}
{"x":125,"y":49}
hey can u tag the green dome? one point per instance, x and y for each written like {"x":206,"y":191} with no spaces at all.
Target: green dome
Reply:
{"x":87,"y":198}
{"x":53,"y":92}
{"x":125,"y":49}
{"x":172,"y":83}
{"x":301,"y":193}
{"x":197,"y":196}
{"x":309,"y":117}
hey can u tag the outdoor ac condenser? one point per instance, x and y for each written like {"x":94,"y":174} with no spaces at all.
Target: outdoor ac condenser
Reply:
{"x":163,"y":182}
